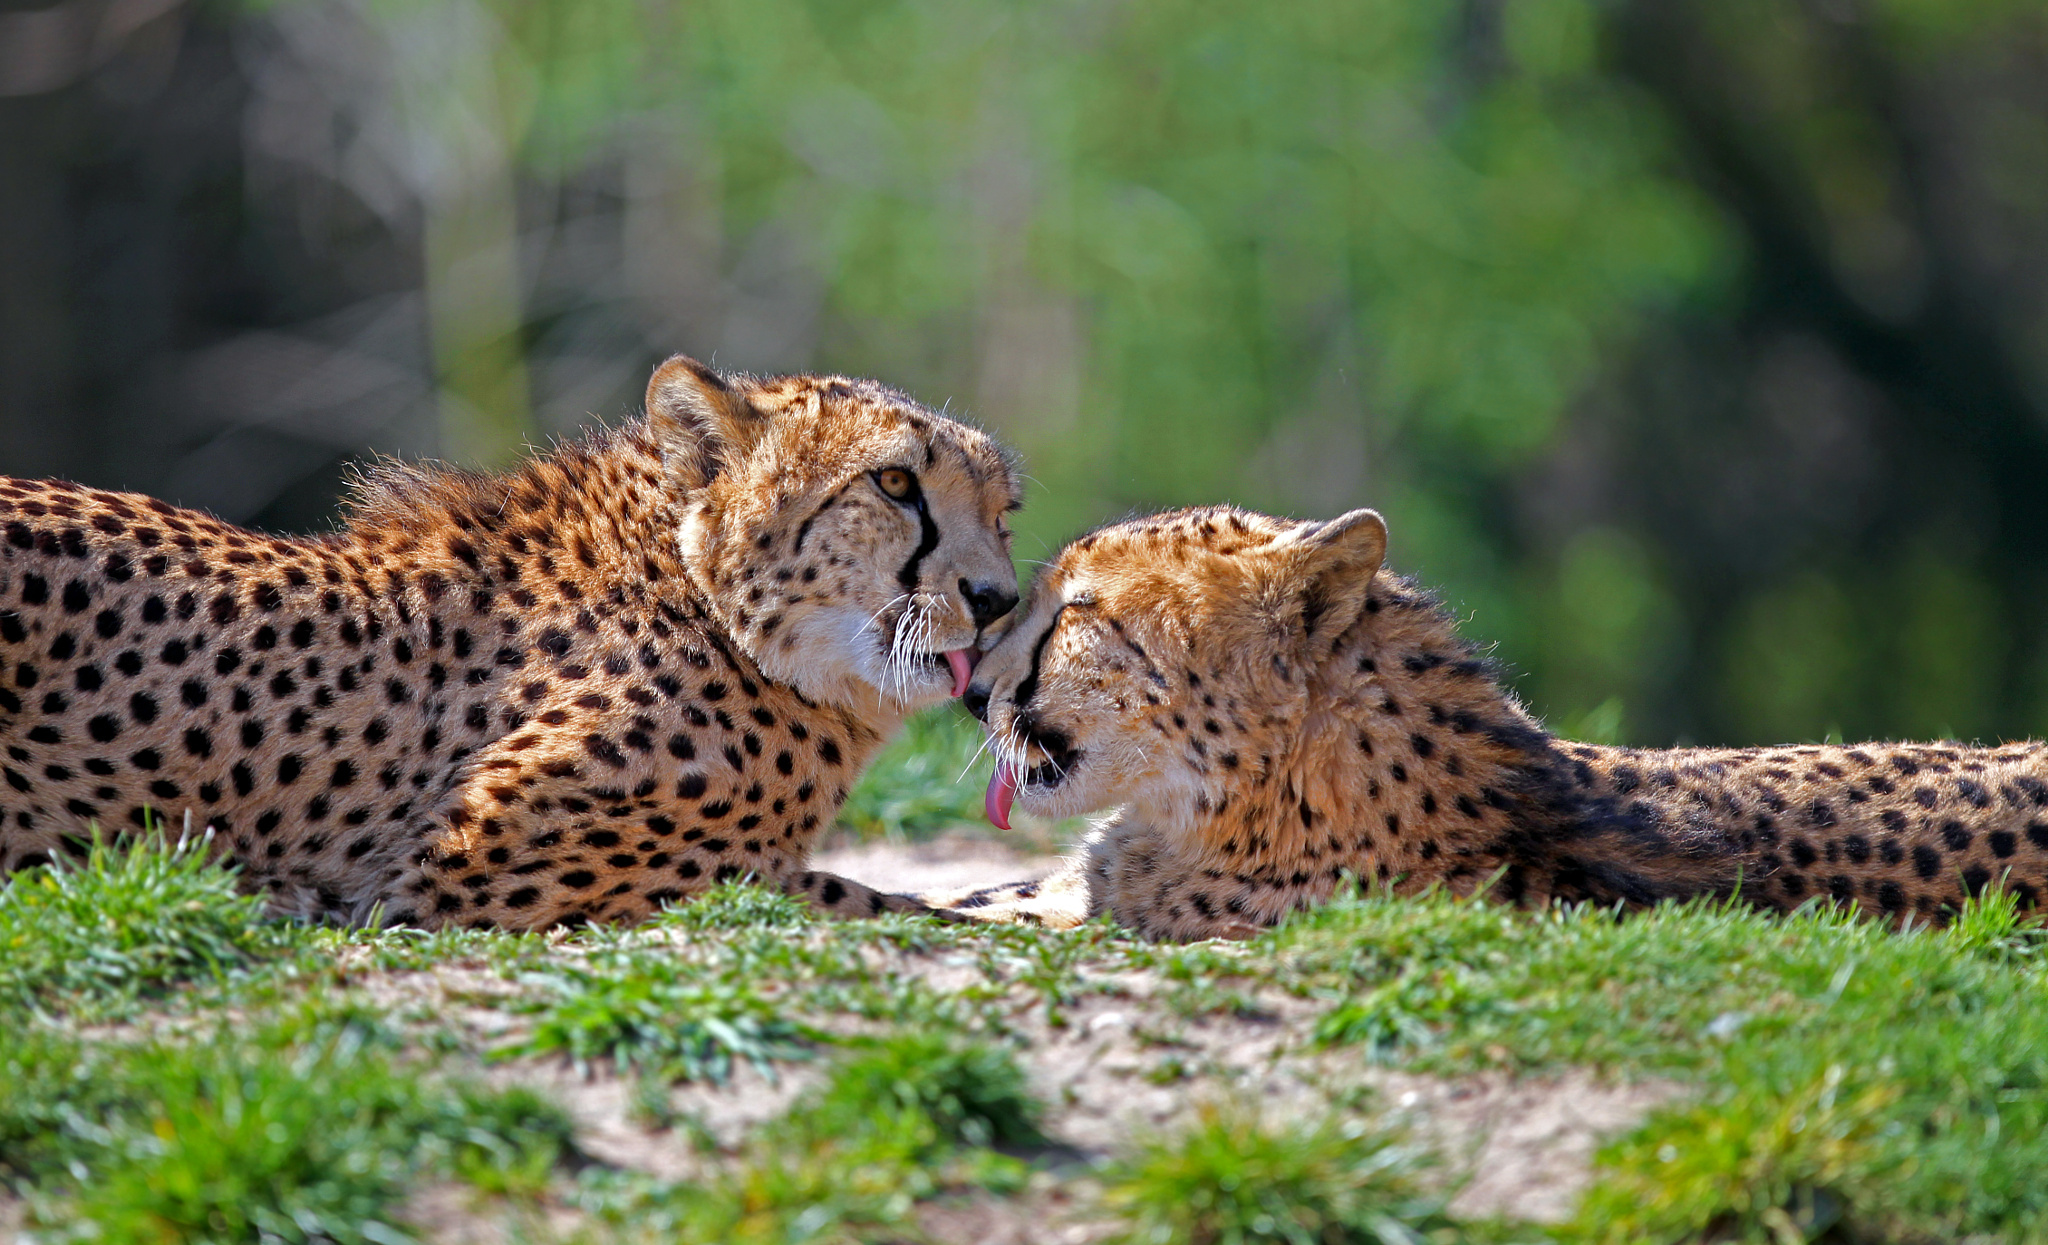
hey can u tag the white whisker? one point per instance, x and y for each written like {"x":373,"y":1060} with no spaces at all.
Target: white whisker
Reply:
{"x":986,"y":740}
{"x":886,"y":607}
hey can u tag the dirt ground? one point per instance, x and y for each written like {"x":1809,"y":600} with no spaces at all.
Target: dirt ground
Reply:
{"x":1523,"y":1148}
{"x":945,"y":863}
{"x":1121,"y":1066}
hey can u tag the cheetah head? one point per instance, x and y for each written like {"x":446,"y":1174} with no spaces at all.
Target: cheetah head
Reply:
{"x":852,"y":541}
{"x":1158,"y":657}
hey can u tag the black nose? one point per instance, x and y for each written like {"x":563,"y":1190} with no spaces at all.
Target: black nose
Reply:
{"x":976,"y":700}
{"x":987,"y":602}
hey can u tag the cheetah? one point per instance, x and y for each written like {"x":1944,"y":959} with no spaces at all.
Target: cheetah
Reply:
{"x":650,"y":660}
{"x":1276,"y":712}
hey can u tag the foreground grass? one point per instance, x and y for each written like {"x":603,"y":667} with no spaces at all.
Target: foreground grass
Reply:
{"x":175,"y":1068}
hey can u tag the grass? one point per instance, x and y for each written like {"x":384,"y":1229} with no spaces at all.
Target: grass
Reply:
{"x":1235,"y":1179}
{"x":660,"y":1022}
{"x":930,"y":778}
{"x":175,"y":1068}
{"x":112,"y":928}
{"x":306,"y":1128}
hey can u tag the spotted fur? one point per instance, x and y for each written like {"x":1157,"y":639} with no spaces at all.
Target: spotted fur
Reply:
{"x":649,"y":660}
{"x":1275,"y":712}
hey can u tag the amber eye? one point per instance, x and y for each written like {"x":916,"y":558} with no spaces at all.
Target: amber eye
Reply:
{"x":897,"y":483}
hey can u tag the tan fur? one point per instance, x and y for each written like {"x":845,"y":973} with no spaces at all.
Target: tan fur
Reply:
{"x":1274,"y":712}
{"x":572,"y":692}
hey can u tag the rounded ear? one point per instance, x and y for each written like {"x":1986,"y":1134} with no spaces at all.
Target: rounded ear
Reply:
{"x":1328,"y":569}
{"x":700,"y":419}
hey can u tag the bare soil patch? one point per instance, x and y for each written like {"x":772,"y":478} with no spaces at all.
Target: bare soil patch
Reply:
{"x":951,"y":861}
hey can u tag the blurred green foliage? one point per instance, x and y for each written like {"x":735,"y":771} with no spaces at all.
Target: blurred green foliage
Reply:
{"x":1694,"y":347}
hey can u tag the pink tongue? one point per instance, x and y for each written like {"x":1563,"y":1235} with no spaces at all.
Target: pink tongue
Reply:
{"x":962,"y":661}
{"x":1002,"y":789}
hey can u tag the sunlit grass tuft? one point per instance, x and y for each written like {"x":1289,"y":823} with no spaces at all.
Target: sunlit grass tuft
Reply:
{"x":305,"y":1128}
{"x":737,"y":905}
{"x":126,"y":921}
{"x":671,"y":1022}
{"x":950,"y":1092}
{"x":1749,"y":1167}
{"x":1232,"y":1178}
{"x":900,"y":1122}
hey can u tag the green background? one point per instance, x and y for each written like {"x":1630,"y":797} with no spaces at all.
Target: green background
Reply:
{"x":1696,"y":349}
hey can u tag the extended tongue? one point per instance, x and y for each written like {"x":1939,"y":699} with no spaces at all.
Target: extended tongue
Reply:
{"x":1002,"y":789}
{"x":962,"y":661}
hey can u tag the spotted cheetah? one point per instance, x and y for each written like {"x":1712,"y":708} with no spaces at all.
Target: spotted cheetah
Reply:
{"x":1276,"y":711}
{"x":649,"y":660}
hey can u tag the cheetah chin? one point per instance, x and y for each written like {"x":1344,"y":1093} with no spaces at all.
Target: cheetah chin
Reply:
{"x":597,"y":684}
{"x":1273,"y":714}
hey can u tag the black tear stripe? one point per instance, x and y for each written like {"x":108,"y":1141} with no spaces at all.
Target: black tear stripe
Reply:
{"x":804,"y":530}
{"x":928,"y":540}
{"x":1029,"y":687}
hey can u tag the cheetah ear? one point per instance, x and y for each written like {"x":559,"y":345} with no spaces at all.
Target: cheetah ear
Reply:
{"x":1328,"y":570}
{"x":701,"y":420}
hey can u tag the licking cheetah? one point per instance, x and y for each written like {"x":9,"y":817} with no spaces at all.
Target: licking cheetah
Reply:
{"x":1274,"y":711}
{"x":650,"y":660}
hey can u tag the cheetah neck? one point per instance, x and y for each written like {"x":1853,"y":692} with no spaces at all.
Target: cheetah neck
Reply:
{"x":593,"y":527}
{"x":1408,"y":762}
{"x":594,"y":521}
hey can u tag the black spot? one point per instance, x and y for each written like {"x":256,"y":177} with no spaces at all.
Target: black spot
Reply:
{"x":1956,"y":835}
{"x":198,"y":743}
{"x":142,"y":707}
{"x":2002,"y":843}
{"x":604,"y":750}
{"x":1926,"y":861}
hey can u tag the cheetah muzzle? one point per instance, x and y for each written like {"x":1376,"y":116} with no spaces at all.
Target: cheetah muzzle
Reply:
{"x":653,"y":659}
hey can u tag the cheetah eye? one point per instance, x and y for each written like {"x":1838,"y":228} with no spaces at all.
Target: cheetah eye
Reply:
{"x":897,"y":483}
